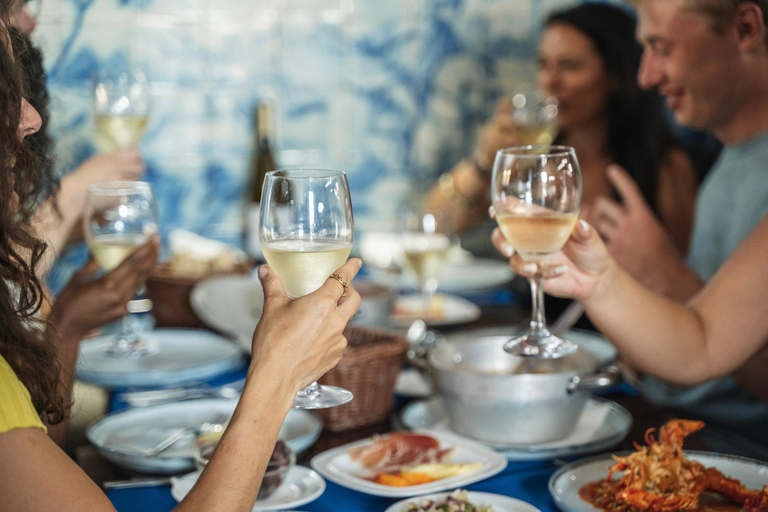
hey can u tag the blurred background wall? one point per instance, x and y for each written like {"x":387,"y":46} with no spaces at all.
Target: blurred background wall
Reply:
{"x":391,"y":91}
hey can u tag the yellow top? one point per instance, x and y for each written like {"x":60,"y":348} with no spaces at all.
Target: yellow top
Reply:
{"x":16,"y":409}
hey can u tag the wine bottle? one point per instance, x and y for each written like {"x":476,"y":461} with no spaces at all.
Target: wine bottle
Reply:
{"x":261,"y":163}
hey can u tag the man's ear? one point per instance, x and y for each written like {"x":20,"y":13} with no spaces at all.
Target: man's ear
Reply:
{"x":750,"y":27}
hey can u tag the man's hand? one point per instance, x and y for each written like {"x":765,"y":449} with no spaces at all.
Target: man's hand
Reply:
{"x":634,"y":235}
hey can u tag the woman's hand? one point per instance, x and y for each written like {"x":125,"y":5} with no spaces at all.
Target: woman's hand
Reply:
{"x":299,"y":340}
{"x":87,"y":303}
{"x":499,"y":133}
{"x":580,"y":271}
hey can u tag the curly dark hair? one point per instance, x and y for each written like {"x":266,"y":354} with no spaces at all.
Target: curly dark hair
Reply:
{"x":30,"y":59}
{"x":22,"y":343}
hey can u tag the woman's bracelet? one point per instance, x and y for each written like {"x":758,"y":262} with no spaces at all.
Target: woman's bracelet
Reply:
{"x":448,"y":189}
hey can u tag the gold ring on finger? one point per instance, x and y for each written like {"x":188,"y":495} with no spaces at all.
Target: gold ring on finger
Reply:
{"x":341,"y":281}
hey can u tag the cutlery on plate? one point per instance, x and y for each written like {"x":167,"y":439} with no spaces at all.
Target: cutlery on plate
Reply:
{"x":161,"y":396}
{"x":216,"y":424}
{"x":136,"y":482}
{"x":567,"y":318}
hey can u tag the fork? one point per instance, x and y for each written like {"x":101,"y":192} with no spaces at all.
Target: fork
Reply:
{"x":215,"y":424}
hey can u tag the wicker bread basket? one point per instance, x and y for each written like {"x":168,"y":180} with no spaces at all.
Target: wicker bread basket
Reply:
{"x":170,"y":295}
{"x":369,"y":369}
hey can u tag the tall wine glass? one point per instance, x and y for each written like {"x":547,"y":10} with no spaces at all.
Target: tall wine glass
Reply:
{"x":536,"y":192}
{"x":306,"y":232}
{"x":122,"y":101}
{"x":535,"y":115}
{"x":427,"y":240}
{"x":119,"y":217}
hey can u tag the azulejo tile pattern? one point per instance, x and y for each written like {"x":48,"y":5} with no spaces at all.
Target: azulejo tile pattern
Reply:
{"x":390,"y":91}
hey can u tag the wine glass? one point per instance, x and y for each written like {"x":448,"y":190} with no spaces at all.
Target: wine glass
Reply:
{"x":535,"y":114}
{"x":306,"y":232}
{"x":122,"y":101}
{"x":120,"y":216}
{"x":427,"y":240}
{"x":536,"y":193}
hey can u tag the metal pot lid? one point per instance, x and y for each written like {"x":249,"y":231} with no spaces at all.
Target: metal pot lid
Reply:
{"x":481,"y":351}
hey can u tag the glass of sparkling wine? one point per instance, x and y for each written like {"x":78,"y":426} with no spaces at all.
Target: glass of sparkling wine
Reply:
{"x":535,"y":114}
{"x":427,"y":239}
{"x":306,"y":232}
{"x":536,"y":193}
{"x":120,"y":216}
{"x":122,"y":103}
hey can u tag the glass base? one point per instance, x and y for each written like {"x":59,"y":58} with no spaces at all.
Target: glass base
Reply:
{"x":131,"y":348}
{"x":321,"y":397}
{"x":542,"y":345}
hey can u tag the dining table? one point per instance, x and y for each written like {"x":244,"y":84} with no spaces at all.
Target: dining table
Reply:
{"x":524,"y":480}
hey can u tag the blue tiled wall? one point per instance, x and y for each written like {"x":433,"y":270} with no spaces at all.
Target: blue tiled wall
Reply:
{"x":390,"y":91}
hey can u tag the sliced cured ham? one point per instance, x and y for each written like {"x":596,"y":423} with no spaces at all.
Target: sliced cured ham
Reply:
{"x":393,"y":451}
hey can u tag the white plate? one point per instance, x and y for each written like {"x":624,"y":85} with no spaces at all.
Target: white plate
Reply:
{"x":602,"y":424}
{"x":565,"y":483}
{"x":412,"y":383}
{"x":231,"y":304}
{"x":455,"y":310}
{"x":460,"y":276}
{"x":481,"y":499}
{"x":119,"y":435}
{"x":184,"y":355}
{"x":335,"y":465}
{"x":301,"y":486}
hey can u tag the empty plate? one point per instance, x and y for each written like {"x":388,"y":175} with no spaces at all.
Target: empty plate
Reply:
{"x":231,"y":304}
{"x":184,"y":355}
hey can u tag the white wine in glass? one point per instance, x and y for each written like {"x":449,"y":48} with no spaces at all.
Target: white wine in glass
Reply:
{"x":122,"y":99}
{"x":535,"y":115}
{"x":304,"y":266}
{"x":306,"y":232}
{"x":120,"y":217}
{"x":536,"y":193}
{"x":537,"y":237}
{"x":121,"y":132}
{"x":427,"y":240}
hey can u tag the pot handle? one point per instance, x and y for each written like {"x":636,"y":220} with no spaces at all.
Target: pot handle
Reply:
{"x":610,"y":376}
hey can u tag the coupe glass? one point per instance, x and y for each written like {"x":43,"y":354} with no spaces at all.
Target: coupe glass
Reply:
{"x":535,"y":114}
{"x":306,"y":232}
{"x":122,"y":99}
{"x":427,"y":240}
{"x":536,"y":193}
{"x":119,"y":217}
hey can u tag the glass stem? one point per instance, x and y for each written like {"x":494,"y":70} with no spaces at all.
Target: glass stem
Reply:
{"x":538,"y":319}
{"x":312,"y":390}
{"x":127,"y":335}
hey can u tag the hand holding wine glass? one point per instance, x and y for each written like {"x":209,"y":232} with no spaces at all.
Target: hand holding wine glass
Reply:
{"x":536,"y":192}
{"x":527,"y":117}
{"x":122,"y":100}
{"x":120,"y":217}
{"x":534,"y":113}
{"x":306,"y":233}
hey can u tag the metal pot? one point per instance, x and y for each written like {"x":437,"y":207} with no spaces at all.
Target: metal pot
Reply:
{"x":506,"y":400}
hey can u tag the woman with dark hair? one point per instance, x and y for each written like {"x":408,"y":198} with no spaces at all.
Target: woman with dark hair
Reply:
{"x":588,"y":59}
{"x":296,"y":342}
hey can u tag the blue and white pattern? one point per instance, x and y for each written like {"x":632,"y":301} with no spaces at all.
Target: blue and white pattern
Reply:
{"x":390,"y":91}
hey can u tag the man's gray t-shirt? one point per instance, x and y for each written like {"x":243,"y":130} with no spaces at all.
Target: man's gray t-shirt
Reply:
{"x":732,"y":200}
